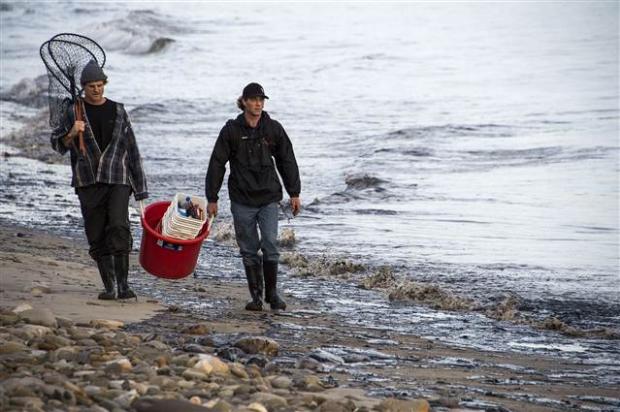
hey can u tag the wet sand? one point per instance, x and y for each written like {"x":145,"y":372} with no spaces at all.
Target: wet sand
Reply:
{"x":50,"y":272}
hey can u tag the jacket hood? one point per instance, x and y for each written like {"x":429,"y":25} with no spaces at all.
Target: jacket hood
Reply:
{"x":240,"y":120}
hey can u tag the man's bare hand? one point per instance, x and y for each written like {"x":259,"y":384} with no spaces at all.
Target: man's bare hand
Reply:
{"x":212,"y":209}
{"x":295,"y":205}
{"x":78,"y":127}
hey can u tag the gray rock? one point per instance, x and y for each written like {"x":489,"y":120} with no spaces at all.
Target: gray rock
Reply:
{"x":39,"y":316}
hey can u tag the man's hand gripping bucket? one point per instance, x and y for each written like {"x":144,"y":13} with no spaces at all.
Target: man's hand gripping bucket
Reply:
{"x":163,"y":256}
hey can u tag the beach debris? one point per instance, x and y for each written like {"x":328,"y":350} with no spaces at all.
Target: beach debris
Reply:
{"x":383,"y":278}
{"x":508,"y":309}
{"x":321,"y":266}
{"x":429,"y":294}
{"x":225,"y":234}
{"x":287,"y":238}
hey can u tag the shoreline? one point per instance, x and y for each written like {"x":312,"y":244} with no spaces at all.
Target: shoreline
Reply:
{"x":358,"y":365}
{"x":361,"y":365}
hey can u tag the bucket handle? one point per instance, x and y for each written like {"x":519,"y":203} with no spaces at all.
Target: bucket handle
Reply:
{"x":210,"y":223}
{"x":141,"y":206}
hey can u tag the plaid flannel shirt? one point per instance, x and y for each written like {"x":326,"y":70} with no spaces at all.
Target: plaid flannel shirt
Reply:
{"x":120,"y":162}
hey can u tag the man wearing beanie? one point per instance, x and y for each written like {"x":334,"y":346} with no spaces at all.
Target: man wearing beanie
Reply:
{"x":251,"y":143}
{"x":105,"y":172}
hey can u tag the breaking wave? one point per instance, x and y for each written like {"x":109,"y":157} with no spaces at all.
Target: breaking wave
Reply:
{"x":29,"y":92}
{"x":141,"y":32}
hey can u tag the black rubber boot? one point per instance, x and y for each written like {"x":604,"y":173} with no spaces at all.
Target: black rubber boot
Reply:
{"x":255,"y":284}
{"x":121,"y":269}
{"x":106,"y":271}
{"x":270,"y":271}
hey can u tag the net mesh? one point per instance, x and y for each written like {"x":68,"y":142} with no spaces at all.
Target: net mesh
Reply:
{"x":65,"y":56}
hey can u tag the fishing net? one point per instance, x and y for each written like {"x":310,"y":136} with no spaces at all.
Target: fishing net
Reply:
{"x":65,"y":56}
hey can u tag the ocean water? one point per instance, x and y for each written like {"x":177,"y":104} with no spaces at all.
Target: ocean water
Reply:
{"x":469,"y":145}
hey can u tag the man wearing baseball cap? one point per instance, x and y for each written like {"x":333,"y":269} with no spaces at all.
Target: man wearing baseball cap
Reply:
{"x":257,"y":148}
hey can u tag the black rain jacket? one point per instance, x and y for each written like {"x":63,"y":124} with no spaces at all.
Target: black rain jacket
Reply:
{"x":253,"y":179}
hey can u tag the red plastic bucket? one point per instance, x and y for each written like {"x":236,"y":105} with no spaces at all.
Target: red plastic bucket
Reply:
{"x":163,"y":256}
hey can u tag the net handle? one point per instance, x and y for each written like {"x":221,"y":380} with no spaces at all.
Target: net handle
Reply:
{"x":79,"y":115}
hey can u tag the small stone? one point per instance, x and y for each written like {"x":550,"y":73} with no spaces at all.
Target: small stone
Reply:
{"x":219,"y":405}
{"x":140,"y":387}
{"x":239,"y":371}
{"x":53,"y":342}
{"x":106,"y":324}
{"x":241,"y":390}
{"x":183,"y":384}
{"x":39,"y":316}
{"x":92,"y":390}
{"x":281,"y":382}
{"x":157,"y":345}
{"x":230,"y":353}
{"x":27,"y":402}
{"x":28,"y":332}
{"x":13,"y":347}
{"x":397,"y":405}
{"x":195,"y":400}
{"x":194,"y":348}
{"x":7,"y":319}
{"x":212,"y":364}
{"x":22,"y":307}
{"x":39,"y":291}
{"x":258,"y":344}
{"x":69,"y":353}
{"x":195,"y":374}
{"x":312,"y":383}
{"x":324,"y":356}
{"x":125,"y":400}
{"x":197,"y":329}
{"x":310,"y":364}
{"x":118,"y":366}
{"x":257,"y":407}
{"x":331,"y":405}
{"x":258,"y":360}
{"x":269,"y":400}
{"x":64,"y":322}
{"x":165,"y":405}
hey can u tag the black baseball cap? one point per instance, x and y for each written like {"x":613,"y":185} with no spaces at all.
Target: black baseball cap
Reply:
{"x":253,"y":90}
